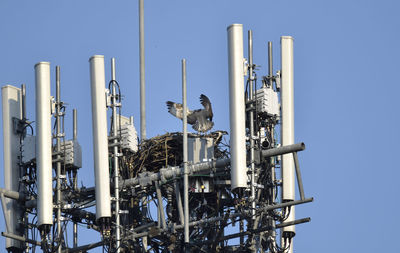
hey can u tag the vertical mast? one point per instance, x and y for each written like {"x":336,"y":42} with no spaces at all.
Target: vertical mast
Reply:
{"x":75,"y":136}
{"x":58,"y":169}
{"x":270,"y":65}
{"x":251,"y":125}
{"x":185,"y":160}
{"x":115,"y":157}
{"x":142,"y":80}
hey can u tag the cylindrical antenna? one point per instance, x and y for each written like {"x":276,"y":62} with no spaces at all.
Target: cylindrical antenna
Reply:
{"x":236,"y":107}
{"x":250,"y":50}
{"x":75,"y":124}
{"x":100,"y":139}
{"x":23,"y":100}
{"x":270,"y":66}
{"x":142,"y":80}
{"x":57,"y":84}
{"x":113,"y":68}
{"x":43,"y":146}
{"x":251,"y":68}
{"x":185,"y":157}
{"x":287,"y":130}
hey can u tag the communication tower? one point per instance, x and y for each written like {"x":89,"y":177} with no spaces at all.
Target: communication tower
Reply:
{"x":208,"y":195}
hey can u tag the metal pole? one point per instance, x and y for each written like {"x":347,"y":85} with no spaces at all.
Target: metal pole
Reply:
{"x":185,"y":157}
{"x":75,"y":124}
{"x":204,"y":167}
{"x":270,"y":67}
{"x":245,"y":214}
{"x":85,"y":248}
{"x":75,"y":232}
{"x":23,"y":100}
{"x":20,"y":238}
{"x":26,"y":214}
{"x":241,"y":229}
{"x":298,"y":174}
{"x":13,"y":195}
{"x":179,"y":202}
{"x":142,"y":80}
{"x":256,"y":231}
{"x":115,"y":157}
{"x":160,"y":206}
{"x":286,"y":204}
{"x":75,"y":134}
{"x":284,"y":150}
{"x":272,"y":221}
{"x":251,"y":126}
{"x":58,"y":111}
{"x":3,"y":205}
{"x":231,"y":216}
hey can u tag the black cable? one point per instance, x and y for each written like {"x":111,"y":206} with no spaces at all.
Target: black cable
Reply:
{"x":28,"y":124}
{"x":33,"y":232}
{"x":246,"y":90}
{"x":255,"y":101}
{"x":118,"y":99}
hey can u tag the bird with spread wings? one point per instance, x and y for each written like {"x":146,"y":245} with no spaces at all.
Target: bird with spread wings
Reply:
{"x":201,"y":119}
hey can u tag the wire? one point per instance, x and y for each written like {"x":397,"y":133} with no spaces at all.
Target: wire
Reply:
{"x":246,"y":90}
{"x":118,"y":98}
{"x":27,"y":124}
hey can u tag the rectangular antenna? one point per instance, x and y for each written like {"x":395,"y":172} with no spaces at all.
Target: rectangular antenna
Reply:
{"x":287,"y":128}
{"x":100,"y":139}
{"x":12,"y":108}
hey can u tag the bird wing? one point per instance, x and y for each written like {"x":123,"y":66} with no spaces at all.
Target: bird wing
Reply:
{"x":176,"y":109}
{"x":205,"y":102}
{"x":207,"y":105}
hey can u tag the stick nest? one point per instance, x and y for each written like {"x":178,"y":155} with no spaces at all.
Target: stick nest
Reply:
{"x":167,"y":150}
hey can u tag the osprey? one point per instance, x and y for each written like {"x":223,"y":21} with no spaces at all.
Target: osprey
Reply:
{"x":201,"y":119}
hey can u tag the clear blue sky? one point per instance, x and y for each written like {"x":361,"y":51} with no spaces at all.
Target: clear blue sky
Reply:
{"x":346,"y":89}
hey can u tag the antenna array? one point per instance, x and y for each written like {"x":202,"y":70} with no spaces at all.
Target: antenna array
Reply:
{"x":197,"y":187}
